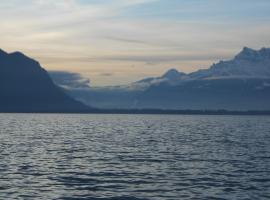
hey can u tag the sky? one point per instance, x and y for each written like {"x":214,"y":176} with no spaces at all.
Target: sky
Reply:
{"x":116,"y":42}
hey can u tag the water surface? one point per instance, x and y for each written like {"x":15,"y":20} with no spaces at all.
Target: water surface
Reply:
{"x":134,"y":157}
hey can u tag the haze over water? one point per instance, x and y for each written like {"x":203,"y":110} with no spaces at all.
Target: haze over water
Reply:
{"x":46,"y":156}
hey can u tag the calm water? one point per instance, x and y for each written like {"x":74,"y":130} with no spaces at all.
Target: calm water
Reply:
{"x":134,"y":157}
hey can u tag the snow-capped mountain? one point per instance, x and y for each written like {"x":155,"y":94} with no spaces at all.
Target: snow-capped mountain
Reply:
{"x":172,"y":77}
{"x":248,"y":63}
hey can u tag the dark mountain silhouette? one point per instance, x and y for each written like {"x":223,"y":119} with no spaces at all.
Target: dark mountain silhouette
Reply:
{"x":242,"y":83}
{"x":209,"y":94}
{"x":26,"y":87}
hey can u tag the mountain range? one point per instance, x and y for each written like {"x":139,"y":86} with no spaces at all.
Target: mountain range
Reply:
{"x":26,"y":87}
{"x":242,"y":83}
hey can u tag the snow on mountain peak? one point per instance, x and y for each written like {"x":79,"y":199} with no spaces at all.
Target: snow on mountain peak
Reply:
{"x":253,"y":55}
{"x":248,"y":63}
{"x":173,"y":74}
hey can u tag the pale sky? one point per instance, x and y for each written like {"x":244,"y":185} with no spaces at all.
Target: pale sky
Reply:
{"x":120,"y":41}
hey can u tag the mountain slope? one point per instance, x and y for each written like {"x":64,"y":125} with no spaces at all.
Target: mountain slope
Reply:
{"x":26,"y":87}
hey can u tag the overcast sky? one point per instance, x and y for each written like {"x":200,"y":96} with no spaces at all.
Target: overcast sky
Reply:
{"x":119,"y":41}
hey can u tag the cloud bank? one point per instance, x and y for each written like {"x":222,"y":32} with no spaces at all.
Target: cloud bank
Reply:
{"x":69,"y":80}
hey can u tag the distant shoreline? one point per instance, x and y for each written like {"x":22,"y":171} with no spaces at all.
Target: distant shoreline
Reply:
{"x":146,"y":111}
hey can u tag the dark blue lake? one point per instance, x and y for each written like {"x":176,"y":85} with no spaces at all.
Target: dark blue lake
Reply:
{"x":133,"y":157}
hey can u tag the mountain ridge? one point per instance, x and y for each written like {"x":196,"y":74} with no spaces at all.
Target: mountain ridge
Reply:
{"x":26,"y":87}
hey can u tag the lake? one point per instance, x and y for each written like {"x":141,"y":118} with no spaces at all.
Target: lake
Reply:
{"x":134,"y":157}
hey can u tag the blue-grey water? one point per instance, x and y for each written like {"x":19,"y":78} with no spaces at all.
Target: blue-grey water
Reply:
{"x":134,"y":157}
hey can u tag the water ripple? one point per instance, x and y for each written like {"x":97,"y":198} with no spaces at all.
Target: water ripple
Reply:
{"x":134,"y":157}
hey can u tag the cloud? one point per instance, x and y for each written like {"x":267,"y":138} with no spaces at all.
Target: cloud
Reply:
{"x":156,"y":58}
{"x":106,"y":35}
{"x":69,"y":80}
{"x":106,"y":74}
{"x":163,"y":58}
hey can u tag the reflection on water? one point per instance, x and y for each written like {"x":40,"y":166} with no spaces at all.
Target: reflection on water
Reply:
{"x":134,"y":157}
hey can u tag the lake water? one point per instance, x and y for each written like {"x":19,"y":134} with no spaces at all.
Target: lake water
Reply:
{"x":134,"y":157}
